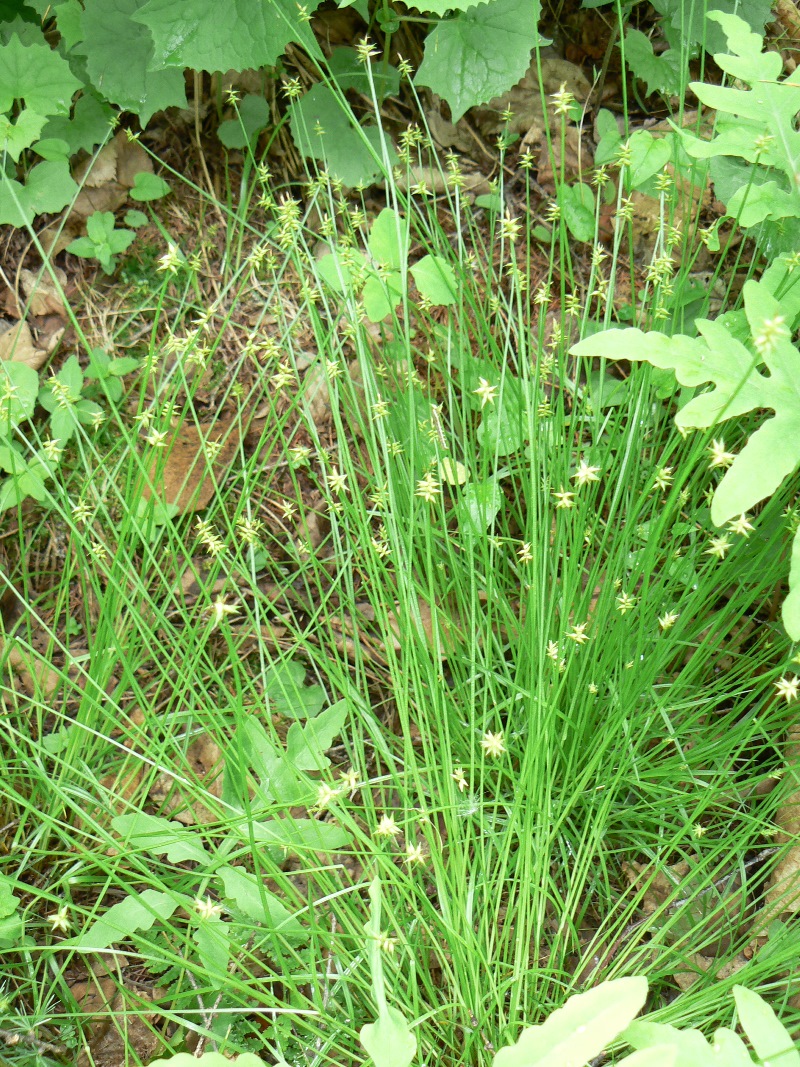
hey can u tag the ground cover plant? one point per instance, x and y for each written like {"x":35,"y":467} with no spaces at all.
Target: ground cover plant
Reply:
{"x":398,"y":649}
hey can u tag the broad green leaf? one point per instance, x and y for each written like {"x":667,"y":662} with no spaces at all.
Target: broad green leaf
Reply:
{"x":278,"y":777}
{"x":766,"y":1033}
{"x":89,"y":126}
{"x":214,"y":949}
{"x":577,"y":208}
{"x":298,"y":835}
{"x":452,"y":471}
{"x":147,"y":186}
{"x":210,"y":1059}
{"x":662,"y":73}
{"x":609,"y":137}
{"x":38,"y":75}
{"x":136,"y":912}
{"x":12,"y":926}
{"x":63,"y":424}
{"x":658,"y":1056}
{"x":52,"y":149}
{"x":765,"y":200}
{"x":252,"y":116}
{"x":255,"y":900}
{"x":102,"y":242}
{"x":334,"y":270}
{"x":348,"y":71}
{"x":692,"y":1048}
{"x":480,"y":53}
{"x":121,"y":62}
{"x":580,"y":1030}
{"x":504,"y":424}
{"x":159,"y":836}
{"x":68,"y":19}
{"x":773,"y":451}
{"x":307,"y":744}
{"x":20,"y":19}
{"x":479,"y":506}
{"x":323,"y":130}
{"x":441,"y":7}
{"x":730,"y":1049}
{"x":49,"y":188}
{"x":649,"y":155}
{"x":15,"y":137}
{"x":756,"y":124}
{"x":389,"y":1041}
{"x":388,"y":240}
{"x":135,"y":219}
{"x":8,"y":901}
{"x":381,"y":295}
{"x":237,"y":35}
{"x":123,"y":365}
{"x":435,"y":279}
{"x":12,"y":461}
{"x":19,"y":389}
{"x":692,"y":23}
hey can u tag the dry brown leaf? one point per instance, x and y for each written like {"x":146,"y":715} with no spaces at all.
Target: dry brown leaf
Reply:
{"x":36,"y":676}
{"x":205,"y":762}
{"x":473,"y":183}
{"x":104,"y":198}
{"x":713,"y":914}
{"x":120,"y":1031}
{"x":575,"y":160}
{"x":181,"y":472}
{"x":98,"y":170}
{"x":50,"y":332}
{"x":16,"y":344}
{"x":117,"y":162}
{"x":43,"y":293}
{"x":447,"y":134}
{"x":524,"y":100}
{"x":434,"y":621}
{"x":131,"y":160}
{"x":316,"y":393}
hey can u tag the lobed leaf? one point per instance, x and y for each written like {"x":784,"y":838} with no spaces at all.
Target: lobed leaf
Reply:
{"x":38,"y":75}
{"x":480,"y":53}
{"x":121,"y":62}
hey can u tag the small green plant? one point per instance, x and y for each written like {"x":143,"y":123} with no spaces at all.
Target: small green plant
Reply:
{"x":380,"y":281}
{"x":12,"y":924}
{"x":32,"y":461}
{"x":103,"y":241}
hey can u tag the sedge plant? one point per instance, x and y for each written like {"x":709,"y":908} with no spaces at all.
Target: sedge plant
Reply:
{"x":465,"y":629}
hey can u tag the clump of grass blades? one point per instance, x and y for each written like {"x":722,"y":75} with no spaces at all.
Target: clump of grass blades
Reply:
{"x":549,"y":680}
